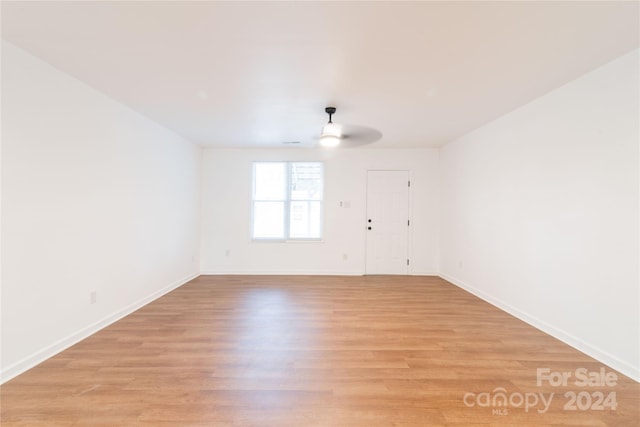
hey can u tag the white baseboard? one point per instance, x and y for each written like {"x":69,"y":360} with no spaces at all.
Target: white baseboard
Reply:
{"x":425,"y":273}
{"x":280,"y":273}
{"x":299,"y":273}
{"x":40,"y":356}
{"x":608,"y":359}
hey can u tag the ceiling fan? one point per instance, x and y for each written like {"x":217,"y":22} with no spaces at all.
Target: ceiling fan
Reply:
{"x":334,"y":134}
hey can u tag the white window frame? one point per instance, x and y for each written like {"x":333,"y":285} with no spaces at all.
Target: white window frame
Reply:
{"x":287,"y":205}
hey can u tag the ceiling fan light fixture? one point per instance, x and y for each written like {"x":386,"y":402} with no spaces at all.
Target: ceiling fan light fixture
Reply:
{"x":331,"y":129}
{"x":331,"y":132}
{"x":329,"y":141}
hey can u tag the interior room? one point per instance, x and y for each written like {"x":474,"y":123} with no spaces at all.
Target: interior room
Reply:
{"x":320,"y":213}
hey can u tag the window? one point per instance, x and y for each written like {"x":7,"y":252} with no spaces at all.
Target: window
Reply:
{"x":287,"y":200}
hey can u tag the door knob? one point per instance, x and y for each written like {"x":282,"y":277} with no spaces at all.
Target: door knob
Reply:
{"x":368,"y":228}
{"x":369,"y":220}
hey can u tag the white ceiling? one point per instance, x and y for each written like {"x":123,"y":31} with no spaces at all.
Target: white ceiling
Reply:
{"x":257,"y":74}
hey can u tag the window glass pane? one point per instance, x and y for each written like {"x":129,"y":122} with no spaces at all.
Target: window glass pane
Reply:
{"x":306,"y":181}
{"x":269,"y":181}
{"x":268,"y":220}
{"x":305,"y":220}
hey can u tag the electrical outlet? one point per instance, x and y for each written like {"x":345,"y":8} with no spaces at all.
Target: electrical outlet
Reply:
{"x":227,"y":252}
{"x":345,"y":257}
{"x":93,"y":297}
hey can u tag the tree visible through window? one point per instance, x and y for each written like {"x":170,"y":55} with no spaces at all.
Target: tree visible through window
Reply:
{"x":287,"y":200}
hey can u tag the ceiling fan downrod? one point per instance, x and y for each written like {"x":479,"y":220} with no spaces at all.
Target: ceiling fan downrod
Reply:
{"x":330,"y":111}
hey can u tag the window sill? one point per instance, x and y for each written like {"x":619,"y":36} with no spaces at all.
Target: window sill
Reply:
{"x":287,"y":240}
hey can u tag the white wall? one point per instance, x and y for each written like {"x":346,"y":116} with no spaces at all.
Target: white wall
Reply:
{"x":226,"y":203}
{"x":95,"y":197}
{"x":540,"y":213}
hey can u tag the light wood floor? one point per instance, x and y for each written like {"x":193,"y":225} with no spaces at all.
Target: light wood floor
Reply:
{"x":311,"y":351}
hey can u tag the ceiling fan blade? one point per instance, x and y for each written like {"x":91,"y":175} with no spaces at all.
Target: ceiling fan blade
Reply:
{"x":356,"y":135}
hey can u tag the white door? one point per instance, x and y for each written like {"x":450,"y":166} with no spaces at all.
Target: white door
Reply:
{"x":387,"y":222}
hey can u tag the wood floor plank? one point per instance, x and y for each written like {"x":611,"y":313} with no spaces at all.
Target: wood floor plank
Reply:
{"x":313,"y":351}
